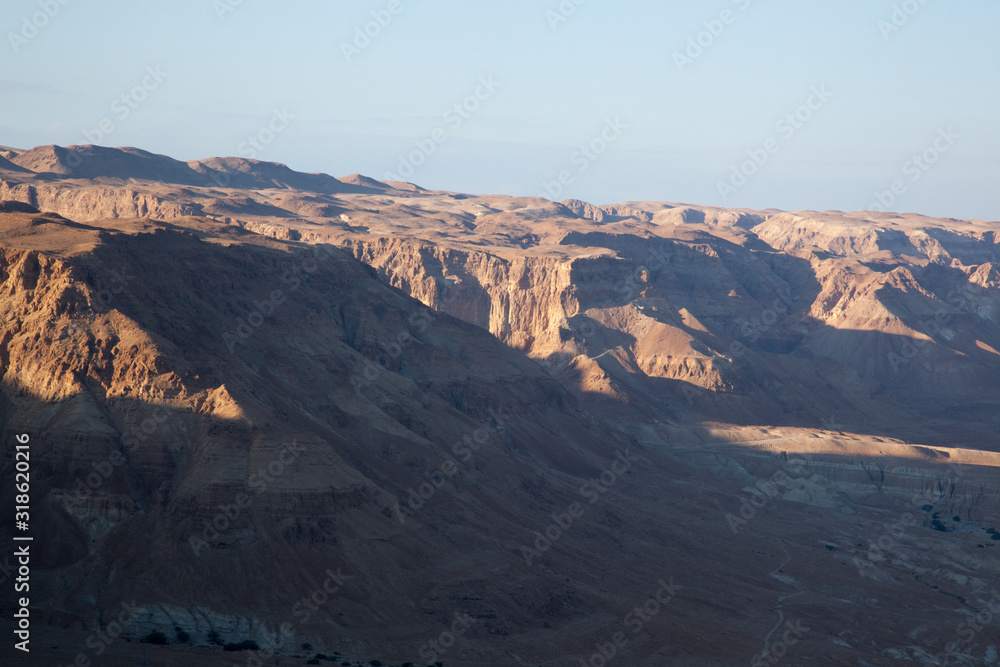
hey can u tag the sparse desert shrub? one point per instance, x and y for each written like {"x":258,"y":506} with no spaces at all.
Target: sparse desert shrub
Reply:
{"x":213,"y":638}
{"x":246,"y":645}
{"x":156,"y":637}
{"x":182,"y":636}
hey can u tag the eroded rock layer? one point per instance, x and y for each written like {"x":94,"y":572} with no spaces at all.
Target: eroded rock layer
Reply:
{"x":297,"y":410}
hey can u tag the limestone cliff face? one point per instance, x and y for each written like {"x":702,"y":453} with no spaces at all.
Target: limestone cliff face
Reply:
{"x":178,"y":422}
{"x":711,"y":313}
{"x":945,"y":490}
{"x":225,"y":408}
{"x":718,"y":314}
{"x":95,"y":204}
{"x":520,"y":300}
{"x":600,"y":324}
{"x":611,"y":323}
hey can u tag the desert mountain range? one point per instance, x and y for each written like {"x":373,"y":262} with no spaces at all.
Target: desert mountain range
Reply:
{"x":515,"y":421}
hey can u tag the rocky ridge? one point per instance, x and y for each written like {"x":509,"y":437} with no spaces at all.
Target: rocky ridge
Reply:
{"x":266,"y":373}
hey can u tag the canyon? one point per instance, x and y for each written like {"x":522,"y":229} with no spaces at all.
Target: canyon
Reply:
{"x":298,"y":410}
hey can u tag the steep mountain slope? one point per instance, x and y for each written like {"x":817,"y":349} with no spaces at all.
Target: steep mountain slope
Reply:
{"x":886,"y":323}
{"x":540,"y":415}
{"x":275,"y":356}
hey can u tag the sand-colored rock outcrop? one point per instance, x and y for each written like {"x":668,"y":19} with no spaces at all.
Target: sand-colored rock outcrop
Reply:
{"x":245,"y":385}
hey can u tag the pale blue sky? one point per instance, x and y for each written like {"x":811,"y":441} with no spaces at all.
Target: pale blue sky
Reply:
{"x":558,"y":86}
